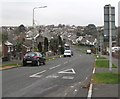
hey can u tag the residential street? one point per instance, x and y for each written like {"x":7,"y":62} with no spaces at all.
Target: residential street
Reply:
{"x":64,"y":49}
{"x":62,"y":77}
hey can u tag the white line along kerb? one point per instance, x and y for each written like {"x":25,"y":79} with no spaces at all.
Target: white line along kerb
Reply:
{"x":36,"y":74}
{"x":90,"y":92}
{"x":94,"y":70}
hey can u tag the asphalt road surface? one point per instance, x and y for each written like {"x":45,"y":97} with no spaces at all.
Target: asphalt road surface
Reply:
{"x":63,"y":77}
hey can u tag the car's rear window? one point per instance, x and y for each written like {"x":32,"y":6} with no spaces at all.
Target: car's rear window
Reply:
{"x":67,"y":51}
{"x":31,"y":54}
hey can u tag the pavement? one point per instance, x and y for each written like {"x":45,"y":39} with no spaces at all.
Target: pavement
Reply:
{"x":6,"y":64}
{"x":105,"y":91}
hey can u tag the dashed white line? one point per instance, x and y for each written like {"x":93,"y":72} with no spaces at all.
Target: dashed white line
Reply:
{"x":75,"y":90}
{"x":52,"y":76}
{"x":71,"y":86}
{"x":79,"y":82}
{"x":90,"y":92}
{"x":66,"y":62}
{"x":36,"y":74}
{"x":67,"y":77}
{"x":54,"y":67}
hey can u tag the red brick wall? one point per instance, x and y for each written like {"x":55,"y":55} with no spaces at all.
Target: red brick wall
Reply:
{"x":4,"y":50}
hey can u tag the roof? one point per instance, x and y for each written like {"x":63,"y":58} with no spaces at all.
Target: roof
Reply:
{"x":27,"y":43}
{"x":8,"y":43}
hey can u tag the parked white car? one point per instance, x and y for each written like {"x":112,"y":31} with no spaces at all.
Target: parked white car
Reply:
{"x":88,"y":52}
{"x":67,"y":53}
{"x":115,"y":49}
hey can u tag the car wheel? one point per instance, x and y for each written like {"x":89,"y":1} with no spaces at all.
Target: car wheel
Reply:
{"x":24,"y":64}
{"x":38,"y":63}
{"x":43,"y":63}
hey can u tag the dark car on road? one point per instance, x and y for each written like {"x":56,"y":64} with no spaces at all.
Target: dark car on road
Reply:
{"x":34,"y":58}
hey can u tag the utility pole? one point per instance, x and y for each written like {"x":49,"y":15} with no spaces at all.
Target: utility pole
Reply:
{"x":34,"y":25}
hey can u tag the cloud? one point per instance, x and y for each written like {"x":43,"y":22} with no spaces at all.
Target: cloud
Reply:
{"x":76,"y":12}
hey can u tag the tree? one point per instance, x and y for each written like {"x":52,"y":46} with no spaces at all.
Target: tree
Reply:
{"x":40,"y":47}
{"x":59,"y":40}
{"x":91,"y":30}
{"x":60,"y":45}
{"x":22,"y":28}
{"x":46,"y":44}
{"x":19,"y":46}
{"x":4,"y":37}
{"x":54,"y":45}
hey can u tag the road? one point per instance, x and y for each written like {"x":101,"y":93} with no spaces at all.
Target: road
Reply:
{"x":63,"y":77}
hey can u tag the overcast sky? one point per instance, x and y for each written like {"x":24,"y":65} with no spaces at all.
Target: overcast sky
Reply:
{"x":70,"y":12}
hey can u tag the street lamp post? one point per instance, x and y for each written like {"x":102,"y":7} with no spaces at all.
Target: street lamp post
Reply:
{"x":34,"y":25}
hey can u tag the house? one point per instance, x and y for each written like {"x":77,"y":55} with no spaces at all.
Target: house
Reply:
{"x":7,"y":49}
{"x":87,"y":40}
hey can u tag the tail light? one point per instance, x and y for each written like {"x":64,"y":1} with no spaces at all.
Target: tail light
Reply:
{"x":24,"y":57}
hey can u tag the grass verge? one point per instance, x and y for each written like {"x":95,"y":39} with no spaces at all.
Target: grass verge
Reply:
{"x":106,"y":78}
{"x":100,"y":63}
{"x":54,"y":57}
{"x":15,"y":65}
{"x":101,"y":58}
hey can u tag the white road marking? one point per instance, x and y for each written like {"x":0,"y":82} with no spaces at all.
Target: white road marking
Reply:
{"x":94,"y":70}
{"x":54,"y":67}
{"x":75,"y":90}
{"x":66,"y":62}
{"x":71,"y":86}
{"x":69,"y":71}
{"x":90,"y":92}
{"x":52,"y":76}
{"x":79,"y":82}
{"x":67,"y":77}
{"x":36,"y":74}
{"x":90,"y":88}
